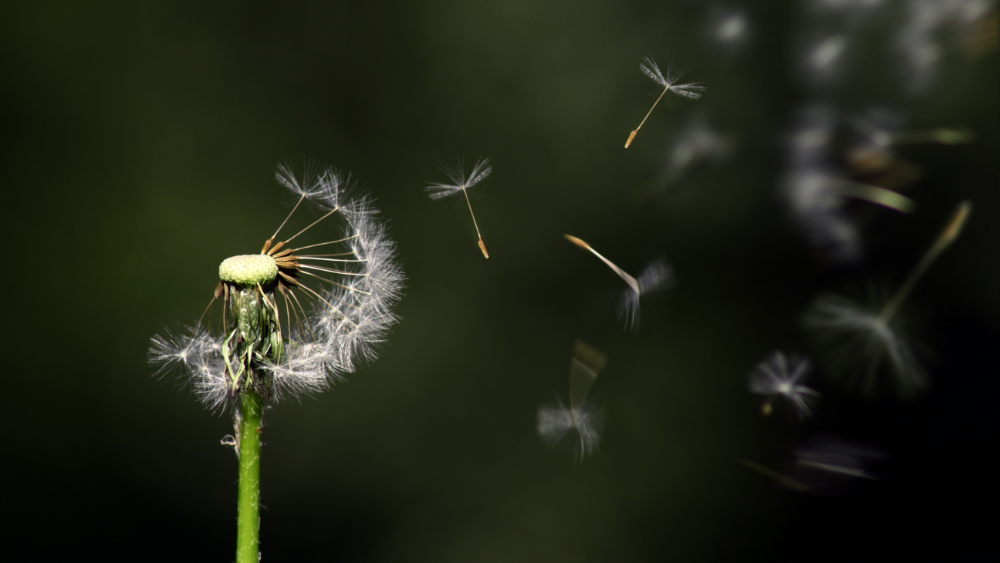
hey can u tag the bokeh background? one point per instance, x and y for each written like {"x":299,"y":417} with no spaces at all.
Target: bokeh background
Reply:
{"x":139,"y":148}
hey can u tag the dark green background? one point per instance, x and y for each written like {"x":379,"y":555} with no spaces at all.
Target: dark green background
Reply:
{"x":139,"y":148}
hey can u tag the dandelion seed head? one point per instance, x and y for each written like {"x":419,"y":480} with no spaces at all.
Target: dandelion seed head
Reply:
{"x":302,"y":312}
{"x":248,"y":269}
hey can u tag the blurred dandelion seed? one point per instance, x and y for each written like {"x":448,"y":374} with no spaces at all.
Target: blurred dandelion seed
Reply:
{"x":838,"y":458}
{"x":817,"y":189}
{"x":931,"y":30}
{"x":876,"y":133}
{"x":876,"y":195}
{"x":940,"y":135}
{"x":695,"y":144}
{"x":824,"y":465}
{"x":779,"y":377}
{"x":732,"y":28}
{"x":829,"y":464}
{"x":656,"y":276}
{"x":860,"y":340}
{"x":783,"y":479}
{"x":455,"y":171}
{"x":692,"y":90}
{"x":826,"y":53}
{"x":580,"y":420}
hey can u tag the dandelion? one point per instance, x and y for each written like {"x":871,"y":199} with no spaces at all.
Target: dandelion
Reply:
{"x":337,"y":299}
{"x":455,"y":172}
{"x":861,"y":341}
{"x":655,"y":277}
{"x":692,"y":90}
{"x":580,"y":420}
{"x":778,"y":377}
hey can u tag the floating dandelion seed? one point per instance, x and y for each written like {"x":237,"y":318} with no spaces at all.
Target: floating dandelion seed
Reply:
{"x":875,"y":135}
{"x":337,"y":304}
{"x":827,"y":461}
{"x":692,"y":90}
{"x":580,"y":420}
{"x":696,"y":143}
{"x":824,"y":465}
{"x":817,"y":190}
{"x":860,"y":341}
{"x":455,"y":171}
{"x":730,"y":28}
{"x":932,"y":30}
{"x":825,"y":54}
{"x":656,"y":276}
{"x":778,"y":377}
{"x":783,"y":479}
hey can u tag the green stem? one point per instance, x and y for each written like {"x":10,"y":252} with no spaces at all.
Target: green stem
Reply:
{"x":951,"y":231}
{"x":248,"y":521}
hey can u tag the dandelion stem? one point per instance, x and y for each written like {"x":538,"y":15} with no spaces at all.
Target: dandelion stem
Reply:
{"x":943,"y":136}
{"x":482,"y":243}
{"x":878,"y":195}
{"x":248,"y":520}
{"x":947,"y":236}
{"x":631,"y":137}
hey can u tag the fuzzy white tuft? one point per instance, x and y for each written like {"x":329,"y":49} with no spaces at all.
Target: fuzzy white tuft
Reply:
{"x":455,"y":171}
{"x":669,"y":80}
{"x":860,"y":344}
{"x":779,"y":377}
{"x":657,"y":276}
{"x":581,"y":427}
{"x":347,"y":316}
